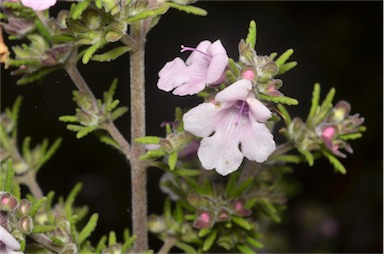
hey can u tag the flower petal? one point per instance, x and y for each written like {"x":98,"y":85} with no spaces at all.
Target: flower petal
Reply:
{"x":258,"y":109}
{"x":39,"y":5}
{"x":258,"y":143}
{"x":220,"y":153}
{"x":216,"y":69}
{"x":173,"y":74}
{"x":200,"y":120}
{"x":237,"y":91}
{"x":8,"y":240}
{"x":197,"y":57}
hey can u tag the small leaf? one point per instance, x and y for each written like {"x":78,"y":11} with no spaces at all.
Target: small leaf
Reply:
{"x":188,"y":9}
{"x":251,"y":37}
{"x":187,"y":172}
{"x":284,"y":57}
{"x":284,"y":113}
{"x":172,"y":160}
{"x":88,"y":229}
{"x":153,"y":154}
{"x":286,"y":67}
{"x":111,"y":55}
{"x":109,"y":141}
{"x":204,"y":231}
{"x":86,"y":130}
{"x":29,"y":78}
{"x":335,"y":162}
{"x":254,"y":242}
{"x":68,"y":119}
{"x":148,"y":140}
{"x":210,"y":240}
{"x":147,"y":14}
{"x":185,"y":247}
{"x":36,"y":205}
{"x":118,"y":112}
{"x":279,"y":99}
{"x":92,"y":49}
{"x":101,"y":244}
{"x":232,"y":181}
{"x":39,"y":229}
{"x":244,"y":249}
{"x":308,"y":156}
{"x":71,"y":199}
{"x":27,"y":150}
{"x":78,"y":10}
{"x":242,"y":222}
{"x":315,"y":100}
{"x":9,"y":176}
{"x":240,"y":189}
{"x":329,"y":98}
{"x":350,"y":136}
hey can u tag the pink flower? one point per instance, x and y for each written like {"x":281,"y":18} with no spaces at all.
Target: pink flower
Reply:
{"x":8,"y":244}
{"x":205,"y":66}
{"x":236,"y":119}
{"x":39,"y":5}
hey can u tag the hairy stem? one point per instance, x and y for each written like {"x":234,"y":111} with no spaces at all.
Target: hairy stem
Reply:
{"x":29,"y":179}
{"x":138,"y":167}
{"x":167,"y":246}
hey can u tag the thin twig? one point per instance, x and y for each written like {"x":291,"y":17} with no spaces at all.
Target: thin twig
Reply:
{"x":167,"y":246}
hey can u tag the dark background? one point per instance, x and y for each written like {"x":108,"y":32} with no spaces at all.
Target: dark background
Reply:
{"x":338,"y":44}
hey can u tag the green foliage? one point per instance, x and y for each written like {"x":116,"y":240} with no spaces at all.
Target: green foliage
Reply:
{"x":279,"y":99}
{"x":88,"y":229}
{"x":188,"y":9}
{"x":252,"y":32}
{"x":91,"y":116}
{"x":110,"y":55}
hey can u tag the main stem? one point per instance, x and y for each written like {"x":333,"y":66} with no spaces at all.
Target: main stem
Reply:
{"x":138,"y":167}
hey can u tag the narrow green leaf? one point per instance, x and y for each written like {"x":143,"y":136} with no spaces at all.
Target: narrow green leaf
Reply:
{"x":16,"y":191}
{"x":49,"y":202}
{"x":118,"y":112}
{"x":85,"y":131}
{"x":92,"y":49}
{"x":232,"y":181}
{"x":153,"y":154}
{"x":240,"y":189}
{"x":99,"y":3}
{"x":42,"y":29}
{"x":286,"y":67}
{"x":26,"y":148}
{"x":167,"y":208}
{"x":68,"y":119}
{"x":279,"y":99}
{"x":88,"y":229}
{"x":329,"y":98}
{"x":242,"y":222}
{"x":284,"y":57}
{"x":185,"y":247}
{"x":288,"y":158}
{"x":251,"y":37}
{"x":284,"y":113}
{"x":109,"y":141}
{"x":49,"y":153}
{"x":179,"y":214}
{"x":101,"y":244}
{"x":111,"y":55}
{"x":188,"y":8}
{"x":71,"y":199}
{"x":210,"y":240}
{"x":254,"y":242}
{"x":187,"y":172}
{"x":29,"y":78}
{"x":233,"y":67}
{"x":315,"y":100}
{"x":147,"y":14}
{"x":73,"y":127}
{"x":36,"y":205}
{"x":148,"y":140}
{"x":39,"y":229}
{"x":273,"y":55}
{"x":350,"y":136}
{"x":128,"y":243}
{"x":204,"y":231}
{"x":335,"y":162}
{"x":78,"y":10}
{"x":9,"y":176}
{"x":172,"y":160}
{"x":308,"y":156}
{"x":244,"y":249}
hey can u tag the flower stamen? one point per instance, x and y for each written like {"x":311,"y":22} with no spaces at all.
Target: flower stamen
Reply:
{"x":183,"y":49}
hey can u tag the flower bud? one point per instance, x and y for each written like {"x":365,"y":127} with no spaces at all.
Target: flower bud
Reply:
{"x":92,"y":19}
{"x":205,"y":220}
{"x":24,"y":206}
{"x":156,"y":224}
{"x":7,"y":202}
{"x":223,"y":214}
{"x":239,"y":209}
{"x":26,"y":224}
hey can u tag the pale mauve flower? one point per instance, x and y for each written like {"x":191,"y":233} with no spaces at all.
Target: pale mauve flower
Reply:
{"x":232,"y":127}
{"x":39,"y":5}
{"x":205,"y":66}
{"x":8,"y":244}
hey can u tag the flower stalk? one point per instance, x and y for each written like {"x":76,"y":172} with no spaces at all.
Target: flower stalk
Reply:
{"x":138,"y":167}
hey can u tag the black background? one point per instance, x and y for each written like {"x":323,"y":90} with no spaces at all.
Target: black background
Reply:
{"x":338,"y":44}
